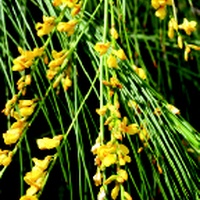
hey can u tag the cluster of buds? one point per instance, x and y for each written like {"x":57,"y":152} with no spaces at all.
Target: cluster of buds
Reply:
{"x":188,"y":27}
{"x":113,"y":153}
{"x":20,"y":110}
{"x":35,"y":178}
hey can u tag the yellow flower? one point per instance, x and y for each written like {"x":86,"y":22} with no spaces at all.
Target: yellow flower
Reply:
{"x":102,"y":194}
{"x":180,"y":42}
{"x":49,"y":143}
{"x":122,"y":176}
{"x":160,"y":6}
{"x":186,"y":52}
{"x":68,"y":27}
{"x":10,"y":104}
{"x":28,"y":197}
{"x":106,"y":154}
{"x":161,"y":12}
{"x":140,"y":72}
{"x":102,"y":47}
{"x":42,"y":164}
{"x":157,"y":3}
{"x":25,"y":60}
{"x":76,"y":9}
{"x":192,"y":46}
{"x":32,"y":190}
{"x":113,"y":33}
{"x":144,"y":135}
{"x":101,"y":111}
{"x":26,"y":111}
{"x":120,"y":54}
{"x":66,"y":83}
{"x":173,"y":109}
{"x":5,"y":157}
{"x":187,"y":26}
{"x":114,"y":83}
{"x":127,"y":196}
{"x":110,"y":159}
{"x":115,"y":192}
{"x":112,"y":61}
{"x":14,"y":132}
{"x":46,"y":27}
{"x":59,"y":58}
{"x":97,"y":177}
{"x":57,"y":2}
{"x":31,"y":177}
{"x":123,"y":155}
{"x":130,"y":129}
{"x":172,"y":25}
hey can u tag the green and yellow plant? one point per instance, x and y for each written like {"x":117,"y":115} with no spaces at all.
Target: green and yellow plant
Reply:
{"x":89,"y":99}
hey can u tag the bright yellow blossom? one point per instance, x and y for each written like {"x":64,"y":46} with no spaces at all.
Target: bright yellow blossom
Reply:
{"x":160,"y":6}
{"x":172,"y":25}
{"x":161,"y":12}
{"x":76,"y":9}
{"x":97,"y":178}
{"x":42,"y":164}
{"x":115,"y":191}
{"x":5,"y":157}
{"x":25,"y":60}
{"x":187,"y":26}
{"x":112,"y":61}
{"x":101,"y":111}
{"x":28,"y":197}
{"x":102,"y":194}
{"x":113,"y":33}
{"x":49,"y":143}
{"x":46,"y":27}
{"x":120,"y":54}
{"x":122,"y":176}
{"x":102,"y":47}
{"x":127,"y":196}
{"x":68,"y":27}
{"x":180,"y":42}
{"x":66,"y":83}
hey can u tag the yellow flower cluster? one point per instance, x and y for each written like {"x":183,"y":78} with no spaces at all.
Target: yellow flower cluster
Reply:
{"x":54,"y":68}
{"x":35,"y":177}
{"x":188,"y":27}
{"x":160,"y":7}
{"x":25,"y":60}
{"x":25,"y":108}
{"x":113,"y":152}
{"x":75,"y":7}
{"x":109,"y":154}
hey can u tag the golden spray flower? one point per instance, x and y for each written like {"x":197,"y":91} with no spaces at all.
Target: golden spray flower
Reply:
{"x":187,"y":26}
{"x":46,"y":27}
